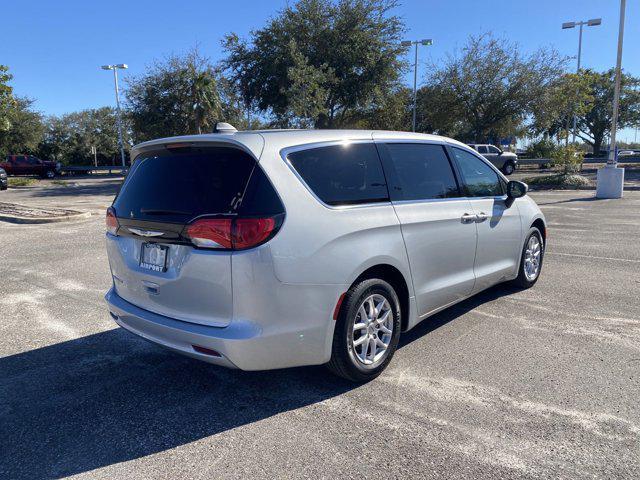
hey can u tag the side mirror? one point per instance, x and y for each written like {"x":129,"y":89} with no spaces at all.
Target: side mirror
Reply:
{"x":515,"y":190}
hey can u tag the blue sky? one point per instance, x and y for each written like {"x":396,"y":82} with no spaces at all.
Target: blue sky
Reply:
{"x":54,"y":49}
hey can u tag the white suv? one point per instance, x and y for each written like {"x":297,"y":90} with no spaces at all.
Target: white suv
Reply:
{"x":505,"y":161}
{"x":270,"y":249}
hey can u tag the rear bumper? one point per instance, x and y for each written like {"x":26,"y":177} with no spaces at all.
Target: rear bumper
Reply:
{"x":244,"y":344}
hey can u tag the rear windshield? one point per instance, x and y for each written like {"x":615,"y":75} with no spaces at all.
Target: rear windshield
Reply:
{"x":176,"y":187}
{"x":342,"y":174}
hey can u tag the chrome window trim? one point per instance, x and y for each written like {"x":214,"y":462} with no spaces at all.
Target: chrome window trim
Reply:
{"x":284,"y":154}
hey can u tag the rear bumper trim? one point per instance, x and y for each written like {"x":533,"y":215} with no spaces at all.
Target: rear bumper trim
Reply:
{"x":180,"y":336}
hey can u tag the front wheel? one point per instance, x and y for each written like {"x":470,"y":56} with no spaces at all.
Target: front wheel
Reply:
{"x":367,"y":331}
{"x":50,"y":174}
{"x":530,"y":260}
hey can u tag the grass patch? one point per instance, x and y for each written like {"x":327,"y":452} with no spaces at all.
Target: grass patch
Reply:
{"x":559,"y":180}
{"x":62,"y":183}
{"x":22,"y":181}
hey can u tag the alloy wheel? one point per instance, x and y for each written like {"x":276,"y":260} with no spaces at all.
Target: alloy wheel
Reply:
{"x":532,"y":258}
{"x":372,"y":330}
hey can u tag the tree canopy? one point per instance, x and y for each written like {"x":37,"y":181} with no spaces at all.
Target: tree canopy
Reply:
{"x":69,"y":138}
{"x":178,"y":96}
{"x":595,"y":123}
{"x":487,"y":90}
{"x":319,"y":63}
{"x":6,"y":97}
{"x":23,"y":130}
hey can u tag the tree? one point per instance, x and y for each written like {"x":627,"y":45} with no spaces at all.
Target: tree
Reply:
{"x":488,"y":90}
{"x":69,"y":138}
{"x":319,"y":63}
{"x":178,"y":96}
{"x":564,"y":97}
{"x":6,"y":97}
{"x":391,"y":110}
{"x":595,"y":124}
{"x":23,"y":130}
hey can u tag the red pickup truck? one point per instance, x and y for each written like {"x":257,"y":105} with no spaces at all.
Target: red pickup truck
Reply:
{"x":29,"y":165}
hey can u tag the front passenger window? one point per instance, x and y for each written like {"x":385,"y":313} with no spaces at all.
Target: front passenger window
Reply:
{"x":479,"y":178}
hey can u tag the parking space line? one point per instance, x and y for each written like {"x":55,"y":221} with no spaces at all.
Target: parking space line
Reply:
{"x":593,"y":256}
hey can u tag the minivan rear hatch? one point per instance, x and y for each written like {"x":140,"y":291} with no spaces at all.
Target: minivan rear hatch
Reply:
{"x":171,"y":192}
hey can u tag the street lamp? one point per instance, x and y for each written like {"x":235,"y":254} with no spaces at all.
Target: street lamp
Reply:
{"x":407,"y":43}
{"x":610,"y":180}
{"x":590,"y":23}
{"x":115,"y":68}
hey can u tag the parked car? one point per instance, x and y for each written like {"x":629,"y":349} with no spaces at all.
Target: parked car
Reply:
{"x":505,"y":161}
{"x":271,"y":249}
{"x":628,"y":153}
{"x":30,"y":165}
{"x":3,"y":179}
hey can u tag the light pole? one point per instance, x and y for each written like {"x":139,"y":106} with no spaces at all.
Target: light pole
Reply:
{"x":115,"y":68}
{"x":590,"y":23}
{"x":610,"y":182}
{"x":407,"y":43}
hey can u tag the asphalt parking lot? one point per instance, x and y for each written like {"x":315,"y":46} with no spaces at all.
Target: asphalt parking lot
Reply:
{"x":509,"y":384}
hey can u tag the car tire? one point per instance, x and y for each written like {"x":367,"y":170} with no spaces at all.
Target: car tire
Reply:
{"x":349,"y":359}
{"x":525,"y":278}
{"x":508,"y":168}
{"x":50,"y":174}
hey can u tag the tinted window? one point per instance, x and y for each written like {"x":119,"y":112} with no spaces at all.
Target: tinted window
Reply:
{"x":420,"y":172}
{"x":260,"y":198}
{"x":342,"y":174}
{"x":482,"y":149}
{"x":493,"y":149}
{"x":479,"y":178}
{"x":175,"y":187}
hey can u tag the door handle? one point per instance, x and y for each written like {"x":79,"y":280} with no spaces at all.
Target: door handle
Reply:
{"x":468,"y":218}
{"x":481,"y":217}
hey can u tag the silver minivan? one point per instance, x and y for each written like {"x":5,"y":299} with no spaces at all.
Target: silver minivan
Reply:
{"x":270,"y":249}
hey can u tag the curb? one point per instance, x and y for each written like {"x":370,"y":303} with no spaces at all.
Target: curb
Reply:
{"x":38,"y":220}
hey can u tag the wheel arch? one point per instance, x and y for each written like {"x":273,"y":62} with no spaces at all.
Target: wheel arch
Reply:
{"x":540,"y":225}
{"x":394,"y":277}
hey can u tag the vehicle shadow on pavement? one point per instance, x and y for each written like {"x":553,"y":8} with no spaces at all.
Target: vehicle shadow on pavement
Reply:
{"x":451,"y":313}
{"x":111,"y":397}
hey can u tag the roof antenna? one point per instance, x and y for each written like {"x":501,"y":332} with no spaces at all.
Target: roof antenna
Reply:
{"x":223,"y":127}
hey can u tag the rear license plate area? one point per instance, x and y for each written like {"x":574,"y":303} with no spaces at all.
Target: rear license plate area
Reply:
{"x":154,"y":257}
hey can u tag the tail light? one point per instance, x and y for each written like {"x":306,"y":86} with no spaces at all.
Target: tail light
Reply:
{"x":112,"y":221}
{"x":211,"y":233}
{"x":231,"y":233}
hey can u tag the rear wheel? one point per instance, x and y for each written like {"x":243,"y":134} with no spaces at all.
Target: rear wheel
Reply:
{"x":367,"y":331}
{"x":50,"y":174}
{"x":530,"y":260}
{"x":508,"y":168}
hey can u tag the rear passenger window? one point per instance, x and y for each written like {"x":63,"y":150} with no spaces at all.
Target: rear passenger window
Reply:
{"x":342,"y":174}
{"x":420,"y":172}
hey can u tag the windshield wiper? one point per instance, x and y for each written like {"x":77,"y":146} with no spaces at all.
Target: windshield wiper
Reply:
{"x":159,"y":211}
